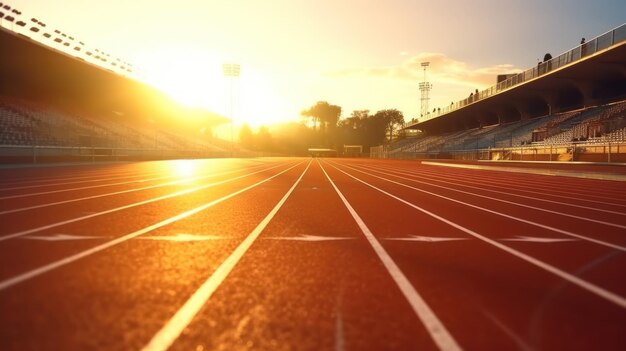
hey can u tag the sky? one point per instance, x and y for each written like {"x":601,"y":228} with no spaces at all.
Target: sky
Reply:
{"x":358,"y":54}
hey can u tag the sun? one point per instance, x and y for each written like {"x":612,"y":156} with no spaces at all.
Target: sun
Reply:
{"x":194,"y":78}
{"x":190,"y":76}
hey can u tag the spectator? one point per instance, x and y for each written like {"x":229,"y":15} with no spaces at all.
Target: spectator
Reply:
{"x":546,"y":60}
{"x":582,"y":41}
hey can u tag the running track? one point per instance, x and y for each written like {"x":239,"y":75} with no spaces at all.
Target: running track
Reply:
{"x":309,"y":254}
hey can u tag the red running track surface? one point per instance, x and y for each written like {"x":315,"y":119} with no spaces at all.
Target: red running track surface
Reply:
{"x":309,"y":254}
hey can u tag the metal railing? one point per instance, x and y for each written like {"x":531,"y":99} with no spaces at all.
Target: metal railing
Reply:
{"x":595,"y":45}
{"x":596,"y":151}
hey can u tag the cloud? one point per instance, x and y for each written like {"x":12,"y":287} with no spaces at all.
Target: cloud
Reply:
{"x":442,"y":69}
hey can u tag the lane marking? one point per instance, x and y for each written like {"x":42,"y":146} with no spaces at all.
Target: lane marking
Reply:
{"x":582,"y":175}
{"x":67,"y":177}
{"x":561,"y":231}
{"x":76,"y":189}
{"x":519,"y":181}
{"x":496,"y":191}
{"x":438,"y":332}
{"x":490,"y":183}
{"x":534,"y":239}
{"x":67,"y":183}
{"x":521,"y":344}
{"x":306,"y":237}
{"x":512,"y":202}
{"x":110,"y":184}
{"x":183,"y":237}
{"x":119,"y":192}
{"x":125,"y":207}
{"x":432,"y":239}
{"x":67,"y":260}
{"x":595,"y":289}
{"x":61,"y":237}
{"x":172,"y":329}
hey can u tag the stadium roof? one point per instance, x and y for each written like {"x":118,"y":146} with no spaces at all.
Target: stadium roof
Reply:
{"x":587,"y":75}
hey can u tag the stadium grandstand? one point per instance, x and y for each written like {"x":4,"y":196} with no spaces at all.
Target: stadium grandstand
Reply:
{"x":61,"y":99}
{"x":568,"y":108}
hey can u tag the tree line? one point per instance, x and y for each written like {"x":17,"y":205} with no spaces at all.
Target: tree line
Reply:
{"x":322,"y":127}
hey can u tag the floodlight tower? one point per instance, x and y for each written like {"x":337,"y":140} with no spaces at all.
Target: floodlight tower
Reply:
{"x":231,"y":73}
{"x":425,"y":90}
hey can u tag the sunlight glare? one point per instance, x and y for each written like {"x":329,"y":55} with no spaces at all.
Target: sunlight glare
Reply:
{"x":184,"y":168}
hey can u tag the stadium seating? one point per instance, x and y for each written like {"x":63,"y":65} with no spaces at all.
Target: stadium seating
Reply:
{"x":594,"y":124}
{"x":26,"y":123}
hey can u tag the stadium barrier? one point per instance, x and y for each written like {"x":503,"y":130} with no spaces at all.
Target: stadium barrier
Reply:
{"x":43,"y":154}
{"x":609,"y":152}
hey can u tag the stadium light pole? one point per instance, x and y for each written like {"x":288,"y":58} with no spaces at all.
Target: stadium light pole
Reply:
{"x":231,"y":72}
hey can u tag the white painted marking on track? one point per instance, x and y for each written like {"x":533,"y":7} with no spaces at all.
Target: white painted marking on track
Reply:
{"x":561,"y":231}
{"x":438,"y":332}
{"x":544,"y":172}
{"x":521,"y":344}
{"x":534,"y":239}
{"x":595,"y":289}
{"x":183,"y":237}
{"x":533,"y":198}
{"x":125,"y":207}
{"x":172,"y":329}
{"x":488,"y":184}
{"x":61,"y":237}
{"x":432,"y":239}
{"x":67,"y":260}
{"x":107,"y":194}
{"x":520,"y":204}
{"x":306,"y":237}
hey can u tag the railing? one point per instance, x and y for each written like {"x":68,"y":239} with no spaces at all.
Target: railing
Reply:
{"x":37,"y":154}
{"x":596,"y":151}
{"x":600,"y":43}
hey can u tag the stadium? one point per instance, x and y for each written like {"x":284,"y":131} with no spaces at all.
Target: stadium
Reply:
{"x":127,"y":223}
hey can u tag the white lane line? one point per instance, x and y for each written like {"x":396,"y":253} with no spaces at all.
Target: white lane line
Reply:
{"x":490,"y":184}
{"x":68,"y":183}
{"x":515,"y":203}
{"x":430,"y":239}
{"x":61,"y":237}
{"x":183,"y":237}
{"x":440,"y":335}
{"x":182,"y":181}
{"x":552,"y":187}
{"x":594,"y":289}
{"x":561,"y":231}
{"x":543,"y":172}
{"x":79,"y":188}
{"x":521,"y":344}
{"x":89,"y":175}
{"x":106,"y":185}
{"x":172,"y":329}
{"x":67,"y":260}
{"x":519,"y":181}
{"x":125,"y":207}
{"x":534,"y":239}
{"x":306,"y":237}
{"x":533,"y":198}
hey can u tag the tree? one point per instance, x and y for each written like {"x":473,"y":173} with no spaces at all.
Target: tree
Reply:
{"x":246,"y":137}
{"x":392,"y":120}
{"x":323,"y":114}
{"x":264,"y":140}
